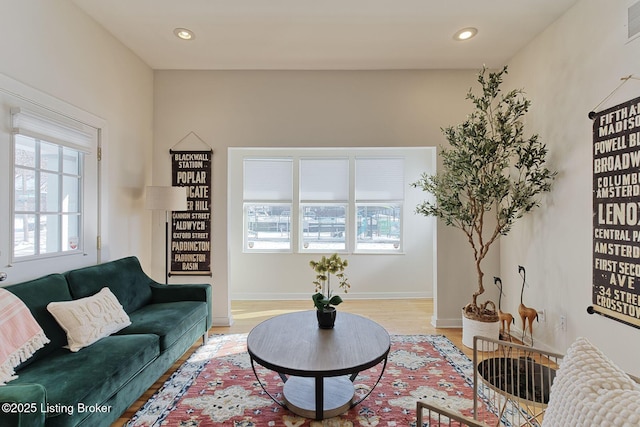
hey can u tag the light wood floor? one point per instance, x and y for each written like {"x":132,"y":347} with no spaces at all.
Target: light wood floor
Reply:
{"x":401,"y":317}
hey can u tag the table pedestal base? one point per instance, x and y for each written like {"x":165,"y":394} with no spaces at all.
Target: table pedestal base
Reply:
{"x":300,"y":396}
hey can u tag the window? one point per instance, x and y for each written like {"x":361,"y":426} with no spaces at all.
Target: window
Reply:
{"x":267,"y":194}
{"x":323,"y":204}
{"x":379,"y":194}
{"x":48,"y":174}
{"x":324,"y":198}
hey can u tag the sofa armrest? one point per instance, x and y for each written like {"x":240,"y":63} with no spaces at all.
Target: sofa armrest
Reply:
{"x":187,"y":292}
{"x":23,"y":405}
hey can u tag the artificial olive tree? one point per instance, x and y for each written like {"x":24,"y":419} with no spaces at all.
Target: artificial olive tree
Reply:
{"x":490,"y":169}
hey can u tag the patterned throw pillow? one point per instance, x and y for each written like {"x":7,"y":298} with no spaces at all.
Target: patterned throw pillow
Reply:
{"x":590,"y":390}
{"x":86,"y":320}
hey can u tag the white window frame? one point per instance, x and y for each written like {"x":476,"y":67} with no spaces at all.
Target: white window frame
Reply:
{"x":14,"y":93}
{"x":45,"y":126}
{"x":351,"y":214}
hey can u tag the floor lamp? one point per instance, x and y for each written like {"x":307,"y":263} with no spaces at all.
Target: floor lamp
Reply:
{"x":166,"y":199}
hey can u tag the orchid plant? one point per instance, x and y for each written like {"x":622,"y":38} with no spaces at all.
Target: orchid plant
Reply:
{"x":325,"y":268}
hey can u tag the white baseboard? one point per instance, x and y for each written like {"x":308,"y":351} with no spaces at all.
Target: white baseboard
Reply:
{"x":446,"y":323}
{"x":222,"y":321}
{"x":269,"y":296}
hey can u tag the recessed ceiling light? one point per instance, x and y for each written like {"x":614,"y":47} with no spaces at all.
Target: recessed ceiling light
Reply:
{"x":465,"y":33}
{"x":184,"y":34}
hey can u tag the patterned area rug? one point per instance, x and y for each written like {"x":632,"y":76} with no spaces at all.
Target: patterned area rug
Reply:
{"x":217,"y":387}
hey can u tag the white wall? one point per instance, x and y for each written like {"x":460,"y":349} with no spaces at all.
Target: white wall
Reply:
{"x":314,"y":109}
{"x":53,"y":47}
{"x":566,"y":72}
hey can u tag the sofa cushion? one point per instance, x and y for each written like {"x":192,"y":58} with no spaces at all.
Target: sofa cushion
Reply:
{"x":36,"y":294}
{"x":93,"y":374}
{"x":86,"y":320}
{"x":124,"y":277}
{"x":169,"y":320}
{"x":590,"y":390}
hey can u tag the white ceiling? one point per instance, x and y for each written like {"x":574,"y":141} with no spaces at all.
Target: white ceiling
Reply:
{"x":324,"y":34}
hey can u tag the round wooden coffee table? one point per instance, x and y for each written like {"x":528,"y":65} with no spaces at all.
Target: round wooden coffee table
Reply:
{"x":318,"y":366}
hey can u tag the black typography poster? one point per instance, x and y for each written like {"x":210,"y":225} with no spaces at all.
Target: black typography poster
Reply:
{"x":191,"y":229}
{"x":616,"y":212}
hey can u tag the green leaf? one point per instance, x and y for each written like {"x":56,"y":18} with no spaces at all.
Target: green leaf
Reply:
{"x":319,"y":301}
{"x":335,"y":300}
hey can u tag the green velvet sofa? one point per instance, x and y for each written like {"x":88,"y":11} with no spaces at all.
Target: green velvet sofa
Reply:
{"x":94,"y":386}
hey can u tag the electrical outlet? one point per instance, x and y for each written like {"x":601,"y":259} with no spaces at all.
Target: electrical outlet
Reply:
{"x":542,"y":316}
{"x":563,"y":323}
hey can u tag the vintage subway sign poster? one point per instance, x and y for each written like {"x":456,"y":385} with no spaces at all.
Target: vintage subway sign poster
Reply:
{"x":191,"y":229}
{"x":616,"y":212}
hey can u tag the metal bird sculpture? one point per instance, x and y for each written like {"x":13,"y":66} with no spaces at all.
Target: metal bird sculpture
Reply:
{"x":527,"y":314}
{"x":506,"y":319}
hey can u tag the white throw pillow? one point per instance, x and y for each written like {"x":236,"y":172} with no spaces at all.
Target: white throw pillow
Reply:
{"x":86,"y":320}
{"x":590,"y":390}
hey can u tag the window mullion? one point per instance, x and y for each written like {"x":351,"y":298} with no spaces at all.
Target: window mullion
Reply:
{"x":59,"y":210}
{"x":352,"y":219}
{"x":81,"y":199}
{"x":37,"y":186}
{"x":296,"y":221}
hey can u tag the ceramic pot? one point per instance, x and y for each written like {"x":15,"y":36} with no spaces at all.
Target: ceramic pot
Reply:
{"x":471,"y":328}
{"x":326,"y":317}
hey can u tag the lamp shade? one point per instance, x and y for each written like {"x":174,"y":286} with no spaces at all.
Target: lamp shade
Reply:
{"x":166,"y":198}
